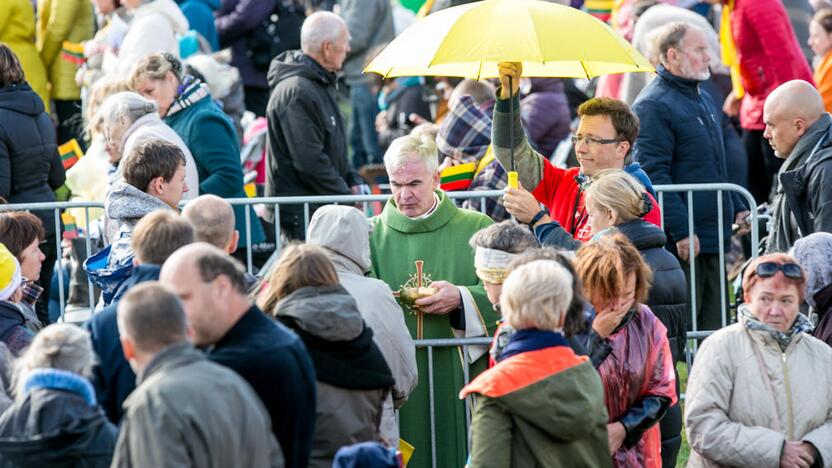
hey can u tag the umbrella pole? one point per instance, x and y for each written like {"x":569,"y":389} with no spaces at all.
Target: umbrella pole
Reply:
{"x":512,"y":174}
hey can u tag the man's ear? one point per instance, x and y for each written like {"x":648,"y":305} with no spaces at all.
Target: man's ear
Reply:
{"x":436,"y":178}
{"x":156,"y":187}
{"x":127,"y":348}
{"x":232,"y":243}
{"x":800,"y":126}
{"x":623,"y":149}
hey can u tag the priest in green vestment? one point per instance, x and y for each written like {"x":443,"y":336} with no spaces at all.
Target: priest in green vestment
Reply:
{"x":421,"y":226}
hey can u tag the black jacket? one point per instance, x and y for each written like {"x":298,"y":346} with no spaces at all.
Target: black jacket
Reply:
{"x":307,"y":150}
{"x":30,"y":166}
{"x":668,"y":296}
{"x":401,"y":102}
{"x":274,"y":361}
{"x":55,"y":428}
{"x":112,"y":377}
{"x":682,"y":141}
{"x":808,"y":189}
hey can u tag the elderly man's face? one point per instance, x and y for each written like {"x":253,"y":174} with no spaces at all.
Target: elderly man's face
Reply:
{"x":413,"y":185}
{"x":782,"y":131}
{"x":694,"y":56}
{"x":334,"y":53}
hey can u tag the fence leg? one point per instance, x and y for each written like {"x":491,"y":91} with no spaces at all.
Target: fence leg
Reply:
{"x":432,"y":409}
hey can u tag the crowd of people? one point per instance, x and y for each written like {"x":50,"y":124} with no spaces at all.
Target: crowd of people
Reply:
{"x":584,"y":277}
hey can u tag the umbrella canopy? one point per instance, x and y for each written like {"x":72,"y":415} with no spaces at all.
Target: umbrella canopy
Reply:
{"x":468,"y":41}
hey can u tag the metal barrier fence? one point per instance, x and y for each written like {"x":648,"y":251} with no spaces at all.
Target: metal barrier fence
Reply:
{"x":366,"y":200}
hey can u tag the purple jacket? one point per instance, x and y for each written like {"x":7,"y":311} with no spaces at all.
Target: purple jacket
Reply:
{"x":234,"y":21}
{"x":545,"y":114}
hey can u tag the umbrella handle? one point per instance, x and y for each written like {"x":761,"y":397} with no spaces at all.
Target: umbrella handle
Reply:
{"x":512,"y":174}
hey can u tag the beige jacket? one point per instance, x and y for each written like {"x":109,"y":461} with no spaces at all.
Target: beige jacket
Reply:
{"x":732,"y":417}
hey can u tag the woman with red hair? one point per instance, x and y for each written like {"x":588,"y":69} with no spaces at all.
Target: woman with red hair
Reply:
{"x":758,"y":394}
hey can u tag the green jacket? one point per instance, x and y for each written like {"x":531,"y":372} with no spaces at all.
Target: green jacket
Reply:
{"x":17,"y":30}
{"x":542,"y":408}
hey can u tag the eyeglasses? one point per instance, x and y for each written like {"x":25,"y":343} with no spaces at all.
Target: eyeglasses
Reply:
{"x":769,"y":269}
{"x":592,"y":141}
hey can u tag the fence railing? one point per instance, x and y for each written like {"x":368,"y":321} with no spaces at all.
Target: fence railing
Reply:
{"x":367,"y":201}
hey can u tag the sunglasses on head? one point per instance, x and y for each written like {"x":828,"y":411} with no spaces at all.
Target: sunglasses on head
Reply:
{"x":769,"y":269}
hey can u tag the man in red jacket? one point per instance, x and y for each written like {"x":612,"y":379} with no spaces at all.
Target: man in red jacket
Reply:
{"x":606,"y":132}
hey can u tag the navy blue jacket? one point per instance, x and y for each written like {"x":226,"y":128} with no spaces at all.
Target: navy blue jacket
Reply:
{"x":112,"y":376}
{"x":274,"y":361}
{"x":681,"y":141}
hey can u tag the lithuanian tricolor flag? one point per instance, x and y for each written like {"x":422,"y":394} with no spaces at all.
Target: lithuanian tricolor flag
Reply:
{"x":70,"y":153}
{"x":73,"y":52}
{"x":70,"y":229}
{"x":457,"y":177}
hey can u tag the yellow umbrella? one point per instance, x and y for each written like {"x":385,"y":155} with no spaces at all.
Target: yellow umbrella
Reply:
{"x":550,"y":40}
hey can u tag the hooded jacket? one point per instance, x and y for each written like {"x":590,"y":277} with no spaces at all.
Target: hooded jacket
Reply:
{"x":30,"y":166}
{"x":806,"y":186}
{"x":348,"y":246}
{"x":353,"y":377}
{"x":307,"y":151}
{"x":57,"y":424}
{"x":110,"y":267}
{"x":539,"y":408}
{"x":733,"y":418}
{"x":154,"y":28}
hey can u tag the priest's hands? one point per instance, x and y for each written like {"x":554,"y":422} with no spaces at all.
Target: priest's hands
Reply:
{"x":445,"y":300}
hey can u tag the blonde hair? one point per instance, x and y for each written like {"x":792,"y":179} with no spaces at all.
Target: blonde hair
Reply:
{"x":98,"y":94}
{"x":154,"y":67}
{"x":300,"y":265}
{"x":408,"y":147}
{"x":619,"y":192}
{"x":537,"y":295}
{"x":58,"y":346}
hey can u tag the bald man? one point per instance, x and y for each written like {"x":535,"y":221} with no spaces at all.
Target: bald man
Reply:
{"x":307,"y":151}
{"x":798,"y":128}
{"x":213,"y":222}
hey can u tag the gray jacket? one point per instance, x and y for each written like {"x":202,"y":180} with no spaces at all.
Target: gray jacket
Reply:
{"x":803,"y":202}
{"x":348,"y":247}
{"x":188,"y":411}
{"x":370,"y":23}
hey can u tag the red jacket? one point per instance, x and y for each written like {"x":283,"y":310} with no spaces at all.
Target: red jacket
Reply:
{"x":768,"y":53}
{"x":559,"y":191}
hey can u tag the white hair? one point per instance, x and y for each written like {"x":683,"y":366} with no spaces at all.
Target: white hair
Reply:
{"x":537,"y":295}
{"x":58,"y":346}
{"x":409,"y":147}
{"x":318,"y":28}
{"x":124,"y":108}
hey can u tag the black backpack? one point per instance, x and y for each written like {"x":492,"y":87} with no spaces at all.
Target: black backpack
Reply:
{"x":279,"y":32}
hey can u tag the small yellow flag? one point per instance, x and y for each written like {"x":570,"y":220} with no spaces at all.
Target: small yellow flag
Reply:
{"x":406,"y":450}
{"x":251,"y":190}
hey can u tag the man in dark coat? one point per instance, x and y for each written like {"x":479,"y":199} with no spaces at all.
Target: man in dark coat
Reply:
{"x":681,"y":142}
{"x":155,"y":237}
{"x":800,"y":131}
{"x":272,"y":359}
{"x":307,"y":150}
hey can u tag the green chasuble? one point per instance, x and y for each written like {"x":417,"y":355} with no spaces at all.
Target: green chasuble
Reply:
{"x":440,"y":240}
